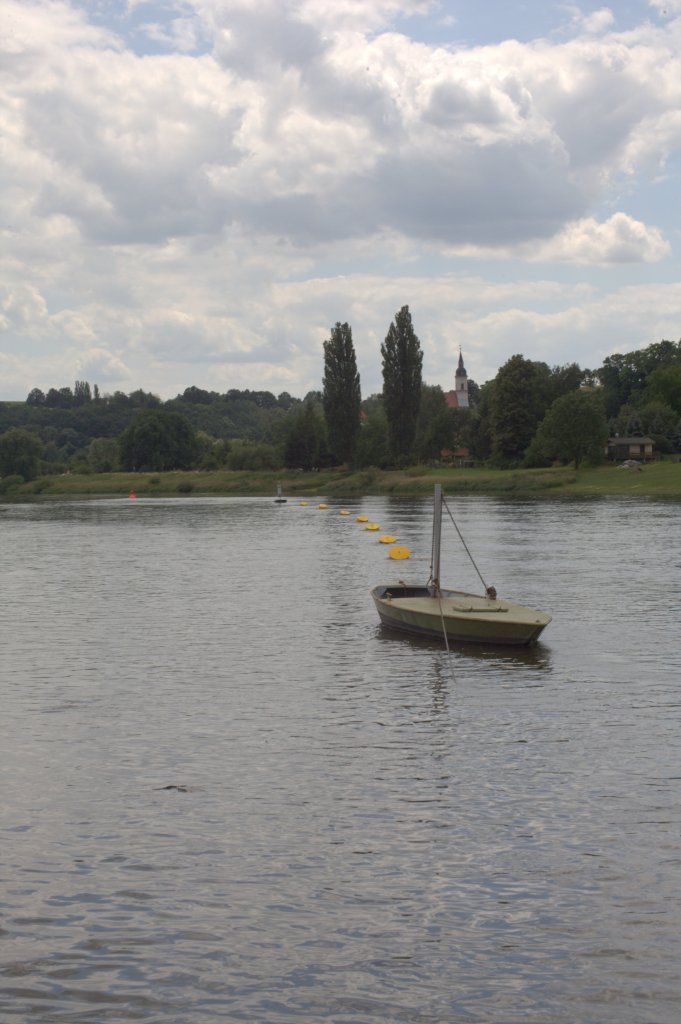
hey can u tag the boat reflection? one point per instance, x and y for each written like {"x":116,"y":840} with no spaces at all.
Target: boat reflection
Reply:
{"x":538,"y":656}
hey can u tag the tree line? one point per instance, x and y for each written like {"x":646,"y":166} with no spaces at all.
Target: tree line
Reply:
{"x":529,"y":414}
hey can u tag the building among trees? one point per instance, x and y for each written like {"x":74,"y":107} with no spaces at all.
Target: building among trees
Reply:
{"x":458,"y":398}
{"x":642,"y":449}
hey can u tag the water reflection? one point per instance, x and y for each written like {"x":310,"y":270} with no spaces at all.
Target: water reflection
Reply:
{"x":361,"y":826}
{"x":538,"y":656}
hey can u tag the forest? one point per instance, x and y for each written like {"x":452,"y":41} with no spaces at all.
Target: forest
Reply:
{"x":529,"y":414}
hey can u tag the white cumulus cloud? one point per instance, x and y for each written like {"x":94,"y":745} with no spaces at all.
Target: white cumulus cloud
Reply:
{"x":189,"y":188}
{"x":620,"y":239}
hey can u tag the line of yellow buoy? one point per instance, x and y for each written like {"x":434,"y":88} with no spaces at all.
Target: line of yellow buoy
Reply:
{"x":396,"y":552}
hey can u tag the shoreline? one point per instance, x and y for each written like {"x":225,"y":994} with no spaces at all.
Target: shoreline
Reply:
{"x":660,"y":479}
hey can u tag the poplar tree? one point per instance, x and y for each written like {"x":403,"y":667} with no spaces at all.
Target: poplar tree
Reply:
{"x":341,"y":393}
{"x":81,"y":393}
{"x":402,"y":361}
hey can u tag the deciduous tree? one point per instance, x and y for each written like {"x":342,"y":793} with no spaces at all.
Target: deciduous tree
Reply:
{"x":664,"y":385}
{"x":306,"y":442}
{"x":157,"y":441}
{"x":624,"y":375}
{"x":574,"y":429}
{"x":103,"y":455}
{"x":433,"y":424}
{"x":20,"y":452}
{"x":372,"y":445}
{"x":518,"y":402}
{"x":479,"y":426}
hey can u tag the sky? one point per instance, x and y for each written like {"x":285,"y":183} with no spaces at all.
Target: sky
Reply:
{"x":193,"y":192}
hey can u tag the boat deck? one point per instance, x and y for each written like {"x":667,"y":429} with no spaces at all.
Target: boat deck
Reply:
{"x":457,"y":603}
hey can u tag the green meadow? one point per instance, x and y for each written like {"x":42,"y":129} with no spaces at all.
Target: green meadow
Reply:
{"x":654,"y":480}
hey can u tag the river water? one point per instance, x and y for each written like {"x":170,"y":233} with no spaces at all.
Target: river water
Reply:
{"x":229,"y":795}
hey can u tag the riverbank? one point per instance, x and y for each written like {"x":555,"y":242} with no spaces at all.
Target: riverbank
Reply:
{"x":655,"y":480}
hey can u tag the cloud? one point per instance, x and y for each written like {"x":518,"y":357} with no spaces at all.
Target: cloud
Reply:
{"x":211,"y":207}
{"x":179,"y":34}
{"x":98,"y":364}
{"x":290,"y":128}
{"x":22,"y":308}
{"x":272,"y":337}
{"x":586,"y":241}
{"x":666,"y":7}
{"x":621,"y":239}
{"x":33,"y":28}
{"x":595,"y":22}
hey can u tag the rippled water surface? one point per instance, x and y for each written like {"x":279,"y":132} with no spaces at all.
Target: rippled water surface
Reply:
{"x":229,"y":795}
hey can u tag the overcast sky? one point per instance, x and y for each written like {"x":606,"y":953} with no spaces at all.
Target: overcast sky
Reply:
{"x":193,"y":192}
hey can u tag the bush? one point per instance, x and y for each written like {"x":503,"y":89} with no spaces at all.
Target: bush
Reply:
{"x":51,"y":468}
{"x":43,"y":484}
{"x":253,"y":456}
{"x":10,"y":483}
{"x":209,"y":462}
{"x":185,"y":487}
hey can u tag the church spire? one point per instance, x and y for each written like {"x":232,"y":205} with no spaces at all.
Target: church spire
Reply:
{"x":458,"y":398}
{"x":461,"y":384}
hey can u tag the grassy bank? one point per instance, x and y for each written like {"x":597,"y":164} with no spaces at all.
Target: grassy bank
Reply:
{"x":656,"y":480}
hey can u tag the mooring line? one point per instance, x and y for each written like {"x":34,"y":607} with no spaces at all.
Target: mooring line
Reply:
{"x":444,"y":633}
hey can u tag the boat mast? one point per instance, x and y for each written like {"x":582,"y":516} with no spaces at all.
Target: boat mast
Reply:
{"x":437,"y":531}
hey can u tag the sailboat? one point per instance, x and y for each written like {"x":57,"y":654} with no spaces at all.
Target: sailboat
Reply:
{"x":434,"y":611}
{"x":279,"y":500}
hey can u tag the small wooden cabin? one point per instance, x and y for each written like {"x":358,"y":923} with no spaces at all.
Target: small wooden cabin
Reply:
{"x":639,"y":448}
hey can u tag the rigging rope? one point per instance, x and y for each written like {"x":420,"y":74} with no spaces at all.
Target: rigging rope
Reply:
{"x":444,"y":502}
{"x":489,"y":591}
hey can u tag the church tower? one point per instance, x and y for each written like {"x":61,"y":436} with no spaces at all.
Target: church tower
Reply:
{"x":461,"y":379}
{"x":458,"y":399}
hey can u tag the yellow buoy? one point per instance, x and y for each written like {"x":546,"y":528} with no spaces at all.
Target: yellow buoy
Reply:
{"x":344,"y":512}
{"x":372,"y":526}
{"x":387,"y":538}
{"x":399,"y":552}
{"x":362,"y":519}
{"x":322,"y":505}
{"x":304,"y":503}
